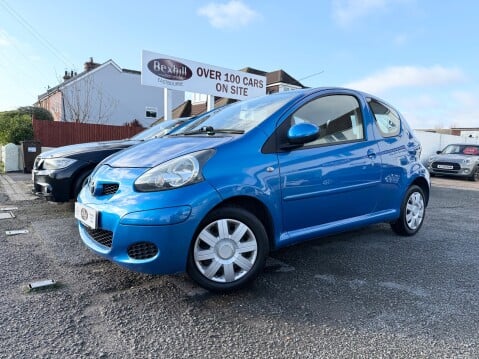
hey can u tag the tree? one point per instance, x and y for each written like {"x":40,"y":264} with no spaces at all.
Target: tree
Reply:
{"x":86,"y":102}
{"x":15,"y":127}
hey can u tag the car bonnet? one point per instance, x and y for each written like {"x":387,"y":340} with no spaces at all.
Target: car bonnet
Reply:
{"x":154,"y":152}
{"x":71,"y":150}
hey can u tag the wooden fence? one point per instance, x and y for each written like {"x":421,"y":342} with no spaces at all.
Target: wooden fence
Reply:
{"x":56,"y":134}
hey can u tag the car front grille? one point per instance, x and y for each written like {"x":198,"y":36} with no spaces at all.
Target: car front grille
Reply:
{"x":455,"y":166}
{"x":101,"y":236}
{"x":110,"y":188}
{"x":142,"y":250}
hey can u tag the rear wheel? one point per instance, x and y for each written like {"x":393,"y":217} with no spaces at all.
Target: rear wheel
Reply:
{"x":413,"y":210}
{"x":228,"y":251}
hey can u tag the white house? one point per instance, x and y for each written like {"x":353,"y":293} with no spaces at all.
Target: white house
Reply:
{"x":106,"y":94}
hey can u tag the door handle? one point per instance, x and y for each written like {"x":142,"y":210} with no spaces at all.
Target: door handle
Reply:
{"x":371,"y":154}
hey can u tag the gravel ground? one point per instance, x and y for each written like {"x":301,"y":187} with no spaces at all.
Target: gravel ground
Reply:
{"x":367,"y":293}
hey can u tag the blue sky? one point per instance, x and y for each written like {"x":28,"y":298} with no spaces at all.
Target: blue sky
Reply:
{"x":419,"y":55}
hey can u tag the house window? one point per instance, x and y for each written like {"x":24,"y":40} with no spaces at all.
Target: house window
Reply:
{"x":151,"y":112}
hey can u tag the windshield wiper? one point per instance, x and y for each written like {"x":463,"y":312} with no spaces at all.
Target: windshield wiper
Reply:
{"x":209,"y":130}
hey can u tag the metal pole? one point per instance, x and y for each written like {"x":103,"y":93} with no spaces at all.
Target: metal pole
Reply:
{"x":210,"y":102}
{"x":167,"y":110}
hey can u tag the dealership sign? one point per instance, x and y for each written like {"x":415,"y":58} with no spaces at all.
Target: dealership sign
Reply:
{"x":185,"y":75}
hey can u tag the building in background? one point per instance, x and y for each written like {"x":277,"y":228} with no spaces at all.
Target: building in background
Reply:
{"x":469,"y":132}
{"x":106,"y":94}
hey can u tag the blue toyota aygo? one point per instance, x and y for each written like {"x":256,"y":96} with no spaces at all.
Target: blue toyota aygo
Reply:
{"x":214,"y":197}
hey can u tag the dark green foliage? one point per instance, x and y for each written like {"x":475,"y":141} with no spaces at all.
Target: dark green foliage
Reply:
{"x":15,"y":127}
{"x":38,"y":113}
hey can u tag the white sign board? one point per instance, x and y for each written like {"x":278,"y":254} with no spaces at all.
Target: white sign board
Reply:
{"x":185,"y":75}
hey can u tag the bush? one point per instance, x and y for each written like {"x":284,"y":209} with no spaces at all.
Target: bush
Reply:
{"x":15,"y":127}
{"x":38,"y":113}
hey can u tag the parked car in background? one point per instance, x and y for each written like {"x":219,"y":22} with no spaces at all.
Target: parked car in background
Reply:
{"x":59,"y":174}
{"x":458,"y":160}
{"x":218,"y":194}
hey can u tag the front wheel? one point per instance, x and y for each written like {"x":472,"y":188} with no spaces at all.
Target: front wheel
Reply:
{"x":413,"y":210}
{"x":228,"y":250}
{"x":80,"y":182}
{"x":475,"y":175}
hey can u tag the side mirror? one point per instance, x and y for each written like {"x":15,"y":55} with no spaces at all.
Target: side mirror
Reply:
{"x":302,"y":133}
{"x":438,"y":152}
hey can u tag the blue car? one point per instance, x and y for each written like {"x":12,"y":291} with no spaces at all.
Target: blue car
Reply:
{"x":214,"y":197}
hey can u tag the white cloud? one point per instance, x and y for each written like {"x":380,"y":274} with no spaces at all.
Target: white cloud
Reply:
{"x":408,"y":76}
{"x":233,"y":14}
{"x":346,"y":11}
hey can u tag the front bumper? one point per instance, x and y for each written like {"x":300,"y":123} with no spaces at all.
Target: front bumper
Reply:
{"x":53,"y":185}
{"x":453,"y":169}
{"x":147,"y":232}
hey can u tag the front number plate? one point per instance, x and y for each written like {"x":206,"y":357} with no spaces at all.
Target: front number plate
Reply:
{"x":86,"y":215}
{"x":445,"y":167}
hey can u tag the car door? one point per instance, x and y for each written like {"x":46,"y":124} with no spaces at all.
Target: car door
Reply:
{"x":334,"y":178}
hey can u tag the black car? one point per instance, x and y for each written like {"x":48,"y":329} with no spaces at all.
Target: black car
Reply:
{"x":60,"y":173}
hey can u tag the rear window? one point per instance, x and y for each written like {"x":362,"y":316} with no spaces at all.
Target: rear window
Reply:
{"x":387,"y":119}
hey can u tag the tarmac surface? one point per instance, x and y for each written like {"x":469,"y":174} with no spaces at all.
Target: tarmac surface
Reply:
{"x":366,"y":293}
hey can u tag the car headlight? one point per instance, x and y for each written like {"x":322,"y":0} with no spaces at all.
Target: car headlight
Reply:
{"x":467,"y":161}
{"x":431,"y":159}
{"x":57,"y":163}
{"x":178,"y":172}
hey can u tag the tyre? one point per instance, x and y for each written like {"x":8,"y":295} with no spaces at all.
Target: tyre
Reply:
{"x":80,"y":182}
{"x":413,"y":210}
{"x":228,"y":251}
{"x":475,"y":175}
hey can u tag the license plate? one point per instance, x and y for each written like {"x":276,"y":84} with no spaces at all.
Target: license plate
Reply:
{"x":86,"y":215}
{"x":445,"y":167}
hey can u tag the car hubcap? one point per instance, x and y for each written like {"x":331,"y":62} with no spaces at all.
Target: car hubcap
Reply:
{"x":414,"y":210}
{"x":225,"y":250}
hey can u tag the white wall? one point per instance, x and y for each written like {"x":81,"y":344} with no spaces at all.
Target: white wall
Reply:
{"x":123,"y":97}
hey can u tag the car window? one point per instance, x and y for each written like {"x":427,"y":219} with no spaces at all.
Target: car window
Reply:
{"x":241,"y":116}
{"x":461,"y":150}
{"x":158,"y":130}
{"x":337,"y":116}
{"x":387,"y":119}
{"x":471,"y":150}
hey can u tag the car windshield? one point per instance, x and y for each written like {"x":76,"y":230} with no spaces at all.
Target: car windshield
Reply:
{"x":158,"y":130}
{"x":237,"y":118}
{"x":470,"y":150}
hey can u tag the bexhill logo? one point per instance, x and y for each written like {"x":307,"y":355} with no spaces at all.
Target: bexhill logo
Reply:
{"x":170,"y":69}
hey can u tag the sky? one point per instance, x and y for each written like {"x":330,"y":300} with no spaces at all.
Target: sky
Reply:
{"x":421,"y":56}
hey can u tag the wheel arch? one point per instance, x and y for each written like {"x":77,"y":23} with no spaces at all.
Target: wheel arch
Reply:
{"x":257,"y":208}
{"x":81,"y":174}
{"x":424,"y":185}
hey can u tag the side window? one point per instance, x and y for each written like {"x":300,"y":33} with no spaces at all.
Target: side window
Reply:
{"x":337,"y":116}
{"x":387,"y":119}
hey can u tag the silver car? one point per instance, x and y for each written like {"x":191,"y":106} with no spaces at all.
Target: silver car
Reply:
{"x":460,"y":160}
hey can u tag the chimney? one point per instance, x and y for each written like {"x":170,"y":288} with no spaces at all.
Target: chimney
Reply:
{"x":90,"y":65}
{"x":66,"y":76}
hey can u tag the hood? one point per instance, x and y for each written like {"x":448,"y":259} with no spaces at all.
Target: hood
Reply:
{"x":453,"y":158}
{"x":71,"y":150}
{"x":154,"y":152}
